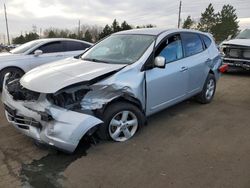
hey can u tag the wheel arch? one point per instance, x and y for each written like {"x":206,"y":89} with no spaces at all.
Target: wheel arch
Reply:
{"x":128,"y":99}
{"x":11,"y":67}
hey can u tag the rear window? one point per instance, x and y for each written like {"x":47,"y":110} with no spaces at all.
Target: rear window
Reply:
{"x":75,"y":46}
{"x":207,"y":41}
{"x":192,"y":44}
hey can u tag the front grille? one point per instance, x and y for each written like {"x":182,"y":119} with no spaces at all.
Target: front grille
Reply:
{"x":246,"y":54}
{"x":237,"y":52}
{"x":234,"y":53}
{"x":21,"y":121}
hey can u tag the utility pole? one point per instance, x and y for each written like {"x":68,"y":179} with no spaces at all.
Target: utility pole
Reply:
{"x":79,"y":29}
{"x":7,"y":27}
{"x":179,"y":17}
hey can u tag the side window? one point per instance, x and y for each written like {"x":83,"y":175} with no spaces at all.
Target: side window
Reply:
{"x":192,"y":43}
{"x":74,"y":46}
{"x":171,"y":49}
{"x":52,"y":47}
{"x":207,"y":41}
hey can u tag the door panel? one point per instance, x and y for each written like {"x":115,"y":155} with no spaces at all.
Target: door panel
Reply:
{"x":167,"y":86}
{"x":196,"y":59}
{"x":197,"y":66}
{"x":45,"y":58}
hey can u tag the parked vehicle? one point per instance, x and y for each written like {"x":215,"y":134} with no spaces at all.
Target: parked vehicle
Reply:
{"x":113,"y":87}
{"x":38,"y":52}
{"x":237,"y":51}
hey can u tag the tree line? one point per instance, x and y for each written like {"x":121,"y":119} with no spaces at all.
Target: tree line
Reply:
{"x":85,"y":32}
{"x":221,"y":24}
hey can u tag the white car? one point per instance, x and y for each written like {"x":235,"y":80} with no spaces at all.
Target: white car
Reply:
{"x":38,"y":52}
{"x":236,"y":52}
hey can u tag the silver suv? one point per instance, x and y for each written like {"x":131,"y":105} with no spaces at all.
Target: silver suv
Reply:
{"x":113,"y":87}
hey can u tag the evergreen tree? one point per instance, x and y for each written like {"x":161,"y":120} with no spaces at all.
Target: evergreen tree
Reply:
{"x":88,"y":36}
{"x":18,"y":40}
{"x":105,"y":32}
{"x":115,"y":26}
{"x":227,"y":23}
{"x":208,"y":19}
{"x":125,"y":26}
{"x":51,"y":34}
{"x":188,"y":23}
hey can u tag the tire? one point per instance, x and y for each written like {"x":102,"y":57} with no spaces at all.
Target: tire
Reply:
{"x":15,"y":73}
{"x":208,"y":91}
{"x":120,"y":113}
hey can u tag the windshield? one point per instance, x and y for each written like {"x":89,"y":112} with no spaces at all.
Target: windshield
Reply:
{"x":244,"y":34}
{"x":119,"y":49}
{"x":23,"y":48}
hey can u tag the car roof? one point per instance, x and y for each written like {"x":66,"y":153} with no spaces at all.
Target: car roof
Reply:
{"x":61,"y":39}
{"x":157,"y":31}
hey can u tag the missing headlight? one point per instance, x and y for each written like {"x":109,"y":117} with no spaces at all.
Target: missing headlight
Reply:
{"x":18,"y":92}
{"x":69,"y":99}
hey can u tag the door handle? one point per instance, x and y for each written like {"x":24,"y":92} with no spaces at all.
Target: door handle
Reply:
{"x":183,"y":69}
{"x":59,"y":55}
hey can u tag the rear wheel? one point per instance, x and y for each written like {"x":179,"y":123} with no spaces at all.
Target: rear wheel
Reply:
{"x":121,"y":121}
{"x":14,"y":74}
{"x":207,"y":94}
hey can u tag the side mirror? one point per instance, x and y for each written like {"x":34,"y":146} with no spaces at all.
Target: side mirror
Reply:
{"x":38,"y":52}
{"x":160,"y":62}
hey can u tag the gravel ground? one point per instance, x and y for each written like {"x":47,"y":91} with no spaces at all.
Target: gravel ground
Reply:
{"x":188,"y":145}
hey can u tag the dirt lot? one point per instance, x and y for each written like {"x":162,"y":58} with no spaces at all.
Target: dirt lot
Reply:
{"x":189,"y":145}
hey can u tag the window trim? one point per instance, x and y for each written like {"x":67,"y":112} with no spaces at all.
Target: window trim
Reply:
{"x":203,"y":41}
{"x":164,"y":40}
{"x":149,"y":63}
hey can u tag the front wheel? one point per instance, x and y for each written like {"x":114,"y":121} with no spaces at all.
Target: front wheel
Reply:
{"x":121,"y":121}
{"x":208,"y":91}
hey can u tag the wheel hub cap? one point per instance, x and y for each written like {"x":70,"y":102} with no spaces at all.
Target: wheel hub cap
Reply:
{"x":123,"y":126}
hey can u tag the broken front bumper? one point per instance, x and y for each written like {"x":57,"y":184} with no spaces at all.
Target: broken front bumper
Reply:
{"x":237,"y":63}
{"x":64,"y":131}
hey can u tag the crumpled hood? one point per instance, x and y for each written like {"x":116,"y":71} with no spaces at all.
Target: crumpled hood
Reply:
{"x":52,"y":77}
{"x":240,"y":42}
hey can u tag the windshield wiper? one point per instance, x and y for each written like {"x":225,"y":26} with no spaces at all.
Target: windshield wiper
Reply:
{"x":95,"y":60}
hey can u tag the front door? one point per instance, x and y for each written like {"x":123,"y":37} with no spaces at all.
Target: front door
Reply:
{"x":167,"y":86}
{"x":52,"y":51}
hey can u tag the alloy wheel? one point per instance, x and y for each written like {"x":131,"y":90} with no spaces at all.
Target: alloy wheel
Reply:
{"x":123,"y":126}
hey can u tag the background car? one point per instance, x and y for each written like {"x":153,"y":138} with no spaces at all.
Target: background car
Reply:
{"x":113,"y":87}
{"x":236,"y":52}
{"x":38,"y":52}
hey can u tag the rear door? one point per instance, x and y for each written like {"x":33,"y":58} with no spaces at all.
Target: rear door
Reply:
{"x":52,"y":51}
{"x":166,"y":86}
{"x":74,"y":48}
{"x":196,"y":59}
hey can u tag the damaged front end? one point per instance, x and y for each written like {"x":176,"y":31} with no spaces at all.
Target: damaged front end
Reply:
{"x":236,"y":56}
{"x":54,"y":120}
